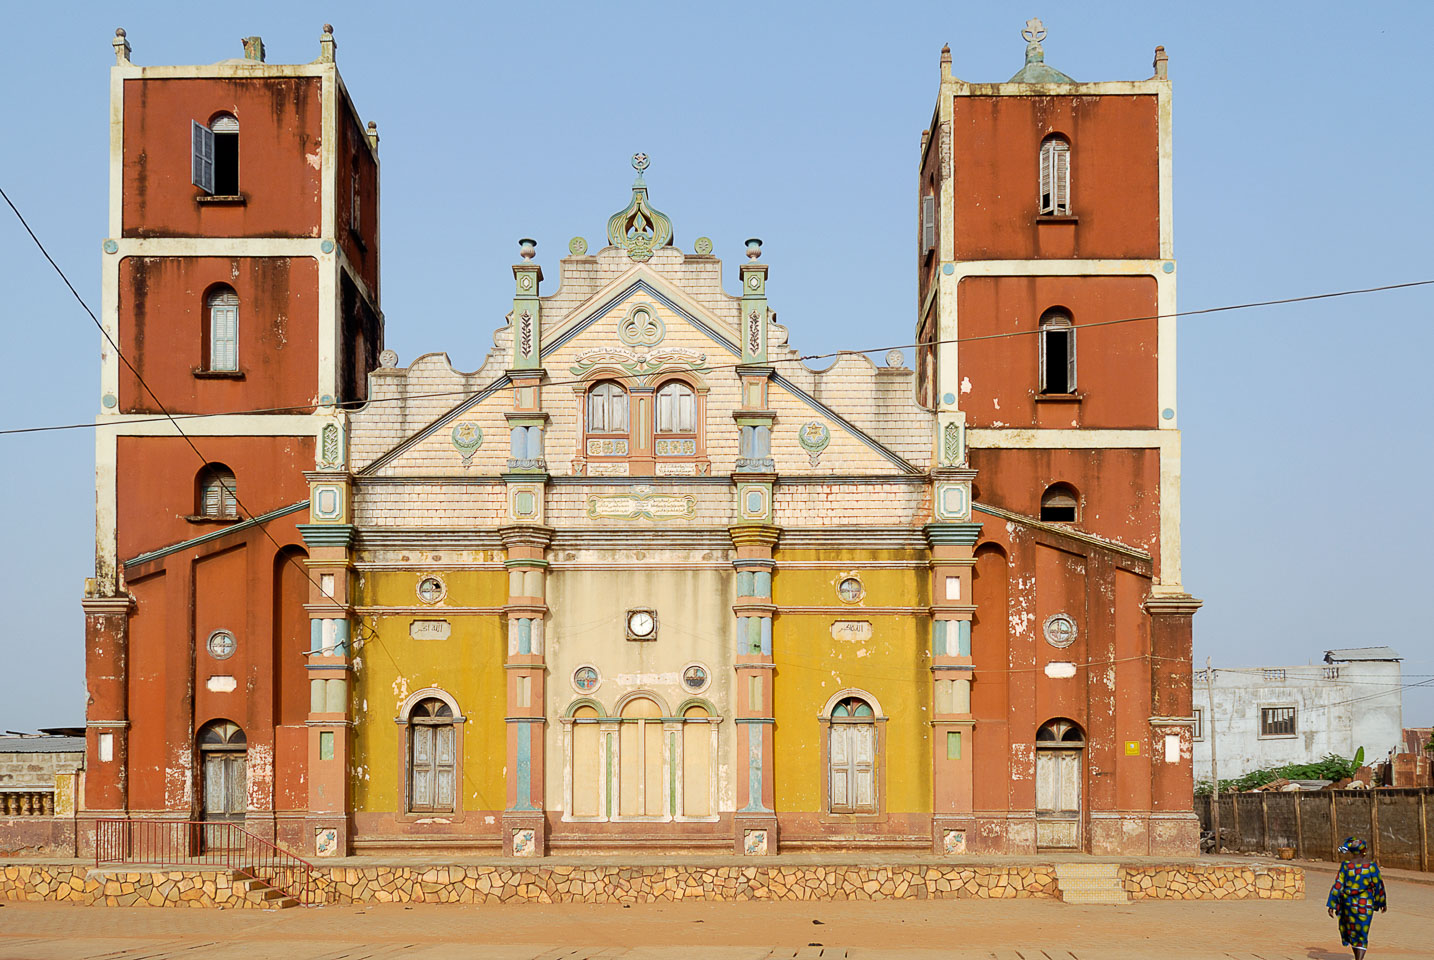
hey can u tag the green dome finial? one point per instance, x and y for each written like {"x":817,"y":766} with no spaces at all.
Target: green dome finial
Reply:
{"x":639,"y":228}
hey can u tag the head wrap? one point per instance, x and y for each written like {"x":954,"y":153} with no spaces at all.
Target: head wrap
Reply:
{"x":1355,"y":846}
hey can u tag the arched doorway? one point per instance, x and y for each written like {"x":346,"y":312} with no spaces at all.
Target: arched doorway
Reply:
{"x":851,"y":755}
{"x":1060,"y":773}
{"x":222,"y":752}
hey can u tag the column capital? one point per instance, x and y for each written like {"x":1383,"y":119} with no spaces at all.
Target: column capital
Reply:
{"x":1172,"y":605}
{"x":328,"y":534}
{"x":118,"y":605}
{"x":952,"y":534}
{"x":526,"y":535}
{"x":754,"y":534}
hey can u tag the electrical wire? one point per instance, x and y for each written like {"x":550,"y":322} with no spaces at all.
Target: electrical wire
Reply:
{"x":706,"y":368}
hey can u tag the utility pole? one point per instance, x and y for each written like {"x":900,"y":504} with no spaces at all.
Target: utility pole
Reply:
{"x":1214,"y":767}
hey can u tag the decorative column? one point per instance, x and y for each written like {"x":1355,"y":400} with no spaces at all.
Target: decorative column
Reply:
{"x":525,"y":824}
{"x":1174,"y":826}
{"x":755,"y":820}
{"x":107,"y":713}
{"x":329,"y":536}
{"x":952,"y":537}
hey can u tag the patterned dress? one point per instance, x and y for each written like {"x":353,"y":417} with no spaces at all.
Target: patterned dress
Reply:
{"x":1358,"y":891}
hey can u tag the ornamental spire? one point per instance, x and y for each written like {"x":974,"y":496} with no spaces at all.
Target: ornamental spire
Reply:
{"x":639,"y":228}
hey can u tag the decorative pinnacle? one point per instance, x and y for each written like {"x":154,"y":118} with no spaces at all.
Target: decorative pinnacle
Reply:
{"x":640,"y":162}
{"x":329,"y":29}
{"x":119,"y":31}
{"x":1035,"y":31}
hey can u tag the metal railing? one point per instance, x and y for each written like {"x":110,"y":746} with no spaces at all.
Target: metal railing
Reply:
{"x":217,"y":845}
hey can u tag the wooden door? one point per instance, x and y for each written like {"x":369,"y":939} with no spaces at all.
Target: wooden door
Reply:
{"x":225,"y":786}
{"x":853,"y":756}
{"x":1058,"y":798}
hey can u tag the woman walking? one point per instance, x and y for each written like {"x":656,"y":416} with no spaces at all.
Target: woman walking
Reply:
{"x":1358,"y":891}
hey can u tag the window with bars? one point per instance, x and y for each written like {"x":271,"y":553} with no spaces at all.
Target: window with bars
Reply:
{"x":217,"y":496}
{"x":1058,"y":352}
{"x":223,"y":307}
{"x":1056,"y":176}
{"x":1277,"y":721}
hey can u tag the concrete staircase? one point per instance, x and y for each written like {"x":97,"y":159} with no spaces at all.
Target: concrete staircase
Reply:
{"x":261,"y":894}
{"x":1090,"y":883}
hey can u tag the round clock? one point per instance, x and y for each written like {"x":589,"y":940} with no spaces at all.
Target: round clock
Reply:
{"x":641,"y":624}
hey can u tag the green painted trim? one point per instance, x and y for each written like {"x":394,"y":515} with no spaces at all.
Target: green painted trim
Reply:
{"x":327,"y":534}
{"x":958,"y":534}
{"x":217,"y":534}
{"x":1055,"y":528}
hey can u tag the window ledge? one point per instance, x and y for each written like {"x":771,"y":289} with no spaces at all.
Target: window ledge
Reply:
{"x":1057,"y":218}
{"x":1059,"y":397}
{"x":202,"y":518}
{"x":201,"y":374}
{"x":229,"y":200}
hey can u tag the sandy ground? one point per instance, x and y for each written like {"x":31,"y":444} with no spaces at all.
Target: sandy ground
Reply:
{"x":909,"y":930}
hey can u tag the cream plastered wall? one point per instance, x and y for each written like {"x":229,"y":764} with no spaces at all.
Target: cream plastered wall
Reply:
{"x":814,"y":662}
{"x":589,"y":594}
{"x":388,"y":665}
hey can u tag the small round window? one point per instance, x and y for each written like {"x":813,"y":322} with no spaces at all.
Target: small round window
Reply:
{"x":850,"y":590}
{"x":1060,"y":630}
{"x":586,"y":679}
{"x":222,"y":644}
{"x":695,"y":678}
{"x":431,"y":589}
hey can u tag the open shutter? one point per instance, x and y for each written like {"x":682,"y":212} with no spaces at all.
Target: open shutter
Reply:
{"x":840,"y":767}
{"x":928,"y":223}
{"x":1070,"y":361}
{"x":863,"y":768}
{"x":443,"y":768}
{"x":422,"y":768}
{"x":202,"y":150}
{"x":1047,"y":154}
{"x":1062,"y":157}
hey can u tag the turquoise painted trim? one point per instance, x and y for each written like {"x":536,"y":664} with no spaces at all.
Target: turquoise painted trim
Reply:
{"x":424,"y":433}
{"x":963,"y":638}
{"x":327,"y":534}
{"x":953,"y":534}
{"x":766,"y":628}
{"x":764,"y":583}
{"x":524,"y":791}
{"x":586,"y":702}
{"x":938,"y":638}
{"x":754,"y":771}
{"x":218,"y":534}
{"x":316,"y":635}
{"x":811,"y":401}
{"x":341,"y":638}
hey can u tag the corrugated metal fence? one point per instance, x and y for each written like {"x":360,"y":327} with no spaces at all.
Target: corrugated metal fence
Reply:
{"x":1395,"y":823}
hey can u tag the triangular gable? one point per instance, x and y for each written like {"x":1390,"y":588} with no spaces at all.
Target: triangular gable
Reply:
{"x":639,"y":280}
{"x":876,"y":445}
{"x":423,"y":433}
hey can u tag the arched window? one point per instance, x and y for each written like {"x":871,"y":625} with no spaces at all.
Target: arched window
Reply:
{"x":697,"y":738}
{"x":1056,"y":176}
{"x":607,"y":409}
{"x":1058,"y":352}
{"x":852,"y":757}
{"x":676,"y":408}
{"x":641,"y":780}
{"x":222,"y":305}
{"x":217,"y":496}
{"x":587,"y":800}
{"x":1060,"y":772}
{"x":1060,"y":503}
{"x":222,"y":752}
{"x":432,"y":757}
{"x":215,"y":155}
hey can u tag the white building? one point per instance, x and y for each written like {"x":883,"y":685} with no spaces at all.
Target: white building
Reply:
{"x":1270,"y":716}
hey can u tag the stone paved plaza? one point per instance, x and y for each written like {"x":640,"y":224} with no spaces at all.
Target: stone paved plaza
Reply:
{"x":894,"y":930}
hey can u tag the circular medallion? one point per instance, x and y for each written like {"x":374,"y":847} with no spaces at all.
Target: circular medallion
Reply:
{"x":1168,"y":413}
{"x":432,"y":589}
{"x":695,"y":678}
{"x":814,"y":436}
{"x":111,"y":247}
{"x":467,"y":436}
{"x":221,"y":644}
{"x":641,"y":327}
{"x":703,"y":246}
{"x":388,"y":359}
{"x":1059,"y":630}
{"x":109,"y":400}
{"x":577,"y":246}
{"x":850,"y":590}
{"x":327,"y":246}
{"x":586,"y":679}
{"x":895,"y":358}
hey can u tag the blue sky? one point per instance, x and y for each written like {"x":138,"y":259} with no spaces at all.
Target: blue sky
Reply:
{"x":1302,"y":165}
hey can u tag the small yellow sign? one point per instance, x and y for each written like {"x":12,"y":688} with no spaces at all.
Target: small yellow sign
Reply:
{"x":1132,"y":748}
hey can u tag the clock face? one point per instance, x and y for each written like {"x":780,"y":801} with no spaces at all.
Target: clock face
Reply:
{"x":641,"y":623}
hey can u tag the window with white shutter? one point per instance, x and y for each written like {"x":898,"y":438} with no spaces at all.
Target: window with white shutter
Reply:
{"x":202,"y":151}
{"x":223,"y":305}
{"x":676,"y":409}
{"x":607,"y":408}
{"x":432,"y":757}
{"x":1057,"y":352}
{"x":217,"y":492}
{"x":1055,"y":176}
{"x":928,"y":223}
{"x":851,"y":756}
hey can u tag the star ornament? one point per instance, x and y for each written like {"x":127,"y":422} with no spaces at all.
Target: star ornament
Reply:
{"x":639,"y":162}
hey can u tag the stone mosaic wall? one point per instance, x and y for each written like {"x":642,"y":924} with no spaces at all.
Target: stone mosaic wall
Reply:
{"x":489,"y":883}
{"x":1202,"y":882}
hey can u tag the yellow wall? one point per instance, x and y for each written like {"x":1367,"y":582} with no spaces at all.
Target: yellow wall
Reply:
{"x":893,"y":665}
{"x":468,"y":666}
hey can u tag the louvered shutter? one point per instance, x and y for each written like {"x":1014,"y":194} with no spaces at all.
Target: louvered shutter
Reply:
{"x":863,"y":767}
{"x":202,"y":150}
{"x":213,"y":495}
{"x":928,"y":223}
{"x":1070,"y":361}
{"x":840,"y":767}
{"x":1061,"y":156}
{"x":443,"y":762}
{"x":422,"y":768}
{"x":1047,"y":154}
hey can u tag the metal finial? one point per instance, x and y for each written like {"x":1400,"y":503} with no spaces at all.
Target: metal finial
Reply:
{"x":639,"y":162}
{"x":119,"y":31}
{"x":1035,"y":31}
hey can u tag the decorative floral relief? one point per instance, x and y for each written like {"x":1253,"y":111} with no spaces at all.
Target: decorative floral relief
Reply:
{"x":676,"y":448}
{"x":607,"y":448}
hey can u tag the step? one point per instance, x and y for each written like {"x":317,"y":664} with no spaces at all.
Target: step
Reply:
{"x":1090,"y":883}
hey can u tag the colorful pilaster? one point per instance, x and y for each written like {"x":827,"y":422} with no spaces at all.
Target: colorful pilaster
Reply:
{"x":524,"y":821}
{"x":755,"y":820}
{"x":329,"y":537}
{"x":107,"y":715}
{"x":754,"y":306}
{"x":952,"y":538}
